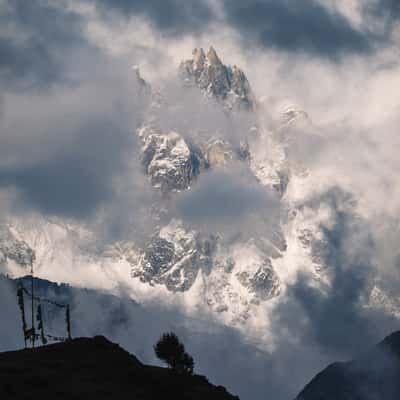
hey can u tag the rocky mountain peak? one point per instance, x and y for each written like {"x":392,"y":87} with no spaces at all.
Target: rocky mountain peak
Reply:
{"x":217,"y":80}
{"x":212,"y":57}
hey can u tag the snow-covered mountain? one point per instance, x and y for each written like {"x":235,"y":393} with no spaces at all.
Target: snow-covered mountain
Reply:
{"x":178,"y":256}
{"x":234,"y":277}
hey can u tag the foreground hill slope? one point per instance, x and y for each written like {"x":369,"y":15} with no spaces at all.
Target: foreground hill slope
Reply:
{"x":374,"y":376}
{"x":94,"y":368}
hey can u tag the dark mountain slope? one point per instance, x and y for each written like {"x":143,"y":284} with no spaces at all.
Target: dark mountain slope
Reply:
{"x":95,"y":369}
{"x":374,"y":376}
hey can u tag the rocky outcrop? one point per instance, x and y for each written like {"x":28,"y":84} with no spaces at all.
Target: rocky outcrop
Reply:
{"x":263,"y":283}
{"x":242,"y":277}
{"x":14,"y":250}
{"x":174,"y":256}
{"x":170,"y":162}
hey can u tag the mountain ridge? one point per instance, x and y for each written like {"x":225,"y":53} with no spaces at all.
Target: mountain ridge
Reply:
{"x":373,"y":375}
{"x":95,"y":368}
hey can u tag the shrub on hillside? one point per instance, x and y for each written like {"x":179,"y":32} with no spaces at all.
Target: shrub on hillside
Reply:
{"x":170,"y":350}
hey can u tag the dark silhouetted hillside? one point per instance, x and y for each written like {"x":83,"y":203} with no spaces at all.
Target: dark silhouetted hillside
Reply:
{"x":374,"y":376}
{"x":95,"y":369}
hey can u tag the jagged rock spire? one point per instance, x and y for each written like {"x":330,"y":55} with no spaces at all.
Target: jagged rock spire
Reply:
{"x":213,"y":57}
{"x":199,"y":58}
{"x":217,"y":80}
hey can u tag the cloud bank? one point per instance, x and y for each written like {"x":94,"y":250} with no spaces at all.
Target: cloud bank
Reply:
{"x":69,"y":107}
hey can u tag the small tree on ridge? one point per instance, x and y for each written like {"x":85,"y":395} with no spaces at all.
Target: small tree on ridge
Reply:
{"x":171,"y":351}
